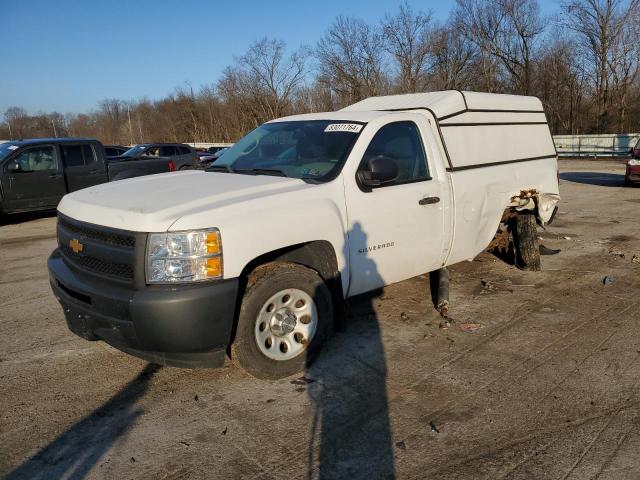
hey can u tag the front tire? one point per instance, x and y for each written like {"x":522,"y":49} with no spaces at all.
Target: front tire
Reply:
{"x":285,"y":318}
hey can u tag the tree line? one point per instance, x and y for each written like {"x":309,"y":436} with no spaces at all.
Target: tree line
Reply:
{"x":583,"y":63}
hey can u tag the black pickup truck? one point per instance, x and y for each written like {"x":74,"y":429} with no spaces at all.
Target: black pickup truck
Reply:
{"x":35,"y":174}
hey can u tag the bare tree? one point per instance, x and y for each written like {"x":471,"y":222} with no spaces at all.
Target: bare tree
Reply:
{"x":560,"y":83}
{"x":407,"y":36}
{"x":599,"y":26}
{"x":624,"y":63}
{"x":507,"y":30}
{"x":266,"y":78}
{"x":587,"y":75}
{"x":351,"y":61}
{"x":453,"y":57}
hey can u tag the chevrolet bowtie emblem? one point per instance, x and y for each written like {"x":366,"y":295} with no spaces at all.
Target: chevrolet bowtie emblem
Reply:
{"x":75,"y":245}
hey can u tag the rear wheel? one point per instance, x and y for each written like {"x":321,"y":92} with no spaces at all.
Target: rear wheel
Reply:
{"x":284,"y":319}
{"x":525,"y":241}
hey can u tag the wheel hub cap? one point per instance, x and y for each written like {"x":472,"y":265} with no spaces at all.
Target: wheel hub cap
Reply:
{"x":286,"y":324}
{"x":283,"y":322}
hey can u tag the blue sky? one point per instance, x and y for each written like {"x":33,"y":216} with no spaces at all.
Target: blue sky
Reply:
{"x":67,"y":55}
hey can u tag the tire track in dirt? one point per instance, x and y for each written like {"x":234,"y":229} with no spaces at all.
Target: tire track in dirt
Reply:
{"x":505,"y":375}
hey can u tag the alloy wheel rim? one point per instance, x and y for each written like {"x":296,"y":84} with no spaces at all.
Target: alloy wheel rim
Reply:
{"x":286,"y":324}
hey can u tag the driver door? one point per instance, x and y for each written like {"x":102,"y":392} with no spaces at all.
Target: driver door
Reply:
{"x":396,"y":229}
{"x":33,"y":179}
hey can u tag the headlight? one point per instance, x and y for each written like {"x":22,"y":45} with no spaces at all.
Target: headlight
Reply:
{"x":633,"y":163}
{"x":181,"y":257}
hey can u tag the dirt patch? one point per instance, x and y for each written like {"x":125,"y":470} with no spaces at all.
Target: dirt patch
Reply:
{"x":24,"y":240}
{"x":621,"y":238}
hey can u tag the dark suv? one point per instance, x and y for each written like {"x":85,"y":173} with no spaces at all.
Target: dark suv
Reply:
{"x":183,"y":156}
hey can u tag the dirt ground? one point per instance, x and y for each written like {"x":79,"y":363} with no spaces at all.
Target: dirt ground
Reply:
{"x":546,"y":386}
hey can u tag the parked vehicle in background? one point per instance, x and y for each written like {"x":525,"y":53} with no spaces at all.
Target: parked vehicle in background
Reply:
{"x":204,"y":158}
{"x":207,"y":161}
{"x":183,"y":156}
{"x":35,"y":174}
{"x":216,"y":149}
{"x":114,"y":150}
{"x":256,"y":255}
{"x":632,"y":174}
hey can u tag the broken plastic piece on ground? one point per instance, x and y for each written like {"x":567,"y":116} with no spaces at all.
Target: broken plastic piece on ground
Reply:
{"x":404,"y":316}
{"x":607,"y":280}
{"x":302,"y":381}
{"x":635,"y":259}
{"x":616,"y":252}
{"x":401,"y":445}
{"x":433,"y":427}
{"x":471,"y":327}
{"x":567,"y":238}
{"x":548,"y":251}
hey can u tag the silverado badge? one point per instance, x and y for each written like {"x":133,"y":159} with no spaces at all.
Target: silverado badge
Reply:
{"x":75,"y":245}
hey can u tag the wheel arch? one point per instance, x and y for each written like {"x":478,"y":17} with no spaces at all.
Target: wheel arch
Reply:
{"x":318,"y":255}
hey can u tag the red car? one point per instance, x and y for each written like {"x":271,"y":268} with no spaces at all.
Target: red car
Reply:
{"x":633,"y":166}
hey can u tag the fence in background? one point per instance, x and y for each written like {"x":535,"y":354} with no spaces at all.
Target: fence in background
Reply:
{"x":609,"y":145}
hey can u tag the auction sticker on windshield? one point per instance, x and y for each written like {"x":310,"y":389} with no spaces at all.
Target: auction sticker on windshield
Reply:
{"x":344,"y":127}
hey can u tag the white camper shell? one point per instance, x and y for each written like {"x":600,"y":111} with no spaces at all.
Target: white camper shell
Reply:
{"x":305,"y":210}
{"x":477,"y":129}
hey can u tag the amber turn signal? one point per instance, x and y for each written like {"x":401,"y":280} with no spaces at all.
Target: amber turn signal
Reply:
{"x":214,"y":267}
{"x":213,"y":243}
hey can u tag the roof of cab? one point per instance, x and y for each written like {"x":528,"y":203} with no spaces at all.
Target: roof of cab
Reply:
{"x":339,"y":115}
{"x":448,"y":102}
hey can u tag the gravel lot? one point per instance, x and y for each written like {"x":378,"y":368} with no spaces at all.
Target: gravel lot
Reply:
{"x":546,"y":387}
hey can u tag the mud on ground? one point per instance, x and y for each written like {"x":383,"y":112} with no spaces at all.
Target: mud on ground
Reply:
{"x":544,"y":385}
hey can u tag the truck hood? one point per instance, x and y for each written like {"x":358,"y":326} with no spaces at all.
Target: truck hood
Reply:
{"x":155,"y":202}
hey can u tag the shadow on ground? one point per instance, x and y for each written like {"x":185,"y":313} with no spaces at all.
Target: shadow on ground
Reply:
{"x":76,"y":451}
{"x":595,"y":178}
{"x":350,"y":433}
{"x":15,"y":218}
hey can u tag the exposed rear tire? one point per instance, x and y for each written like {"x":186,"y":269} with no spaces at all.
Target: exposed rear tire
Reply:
{"x":525,"y":241}
{"x":285,"y":318}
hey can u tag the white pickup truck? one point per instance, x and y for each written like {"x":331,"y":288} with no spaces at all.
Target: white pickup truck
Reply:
{"x":254,"y":257}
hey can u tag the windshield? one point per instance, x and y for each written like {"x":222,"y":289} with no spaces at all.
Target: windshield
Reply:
{"x":6,"y":149}
{"x":297,"y":149}
{"x":133,"y":151}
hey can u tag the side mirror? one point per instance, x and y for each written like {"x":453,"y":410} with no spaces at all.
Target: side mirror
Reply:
{"x":14,"y":167}
{"x":378,"y":171}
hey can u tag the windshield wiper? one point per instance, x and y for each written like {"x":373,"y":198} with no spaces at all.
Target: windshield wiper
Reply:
{"x":266,"y":171}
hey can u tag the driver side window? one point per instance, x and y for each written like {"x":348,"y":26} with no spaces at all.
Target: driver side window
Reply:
{"x":400,"y":142}
{"x":37,"y":159}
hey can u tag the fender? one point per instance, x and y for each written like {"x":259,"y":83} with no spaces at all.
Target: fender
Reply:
{"x":257,"y":227}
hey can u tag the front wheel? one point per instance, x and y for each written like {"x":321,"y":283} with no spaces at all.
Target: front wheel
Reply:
{"x":285,"y":317}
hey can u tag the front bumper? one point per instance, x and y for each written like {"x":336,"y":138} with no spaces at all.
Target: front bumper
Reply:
{"x":184,"y":326}
{"x":633,"y":174}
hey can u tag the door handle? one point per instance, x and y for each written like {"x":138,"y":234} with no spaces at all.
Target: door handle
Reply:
{"x":428,"y":200}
